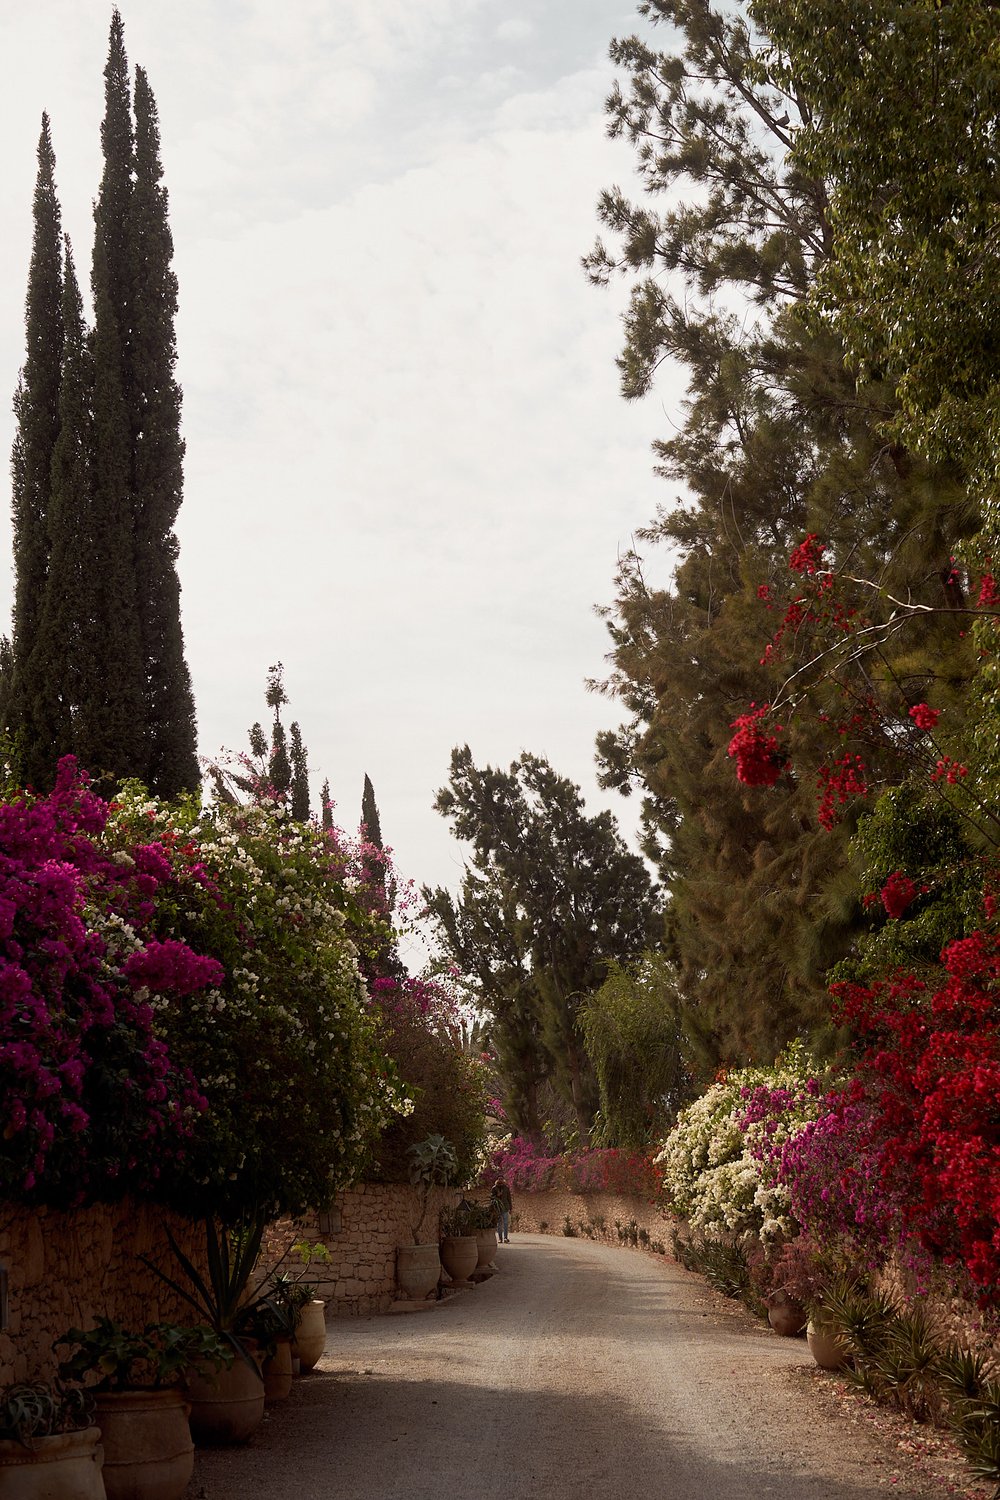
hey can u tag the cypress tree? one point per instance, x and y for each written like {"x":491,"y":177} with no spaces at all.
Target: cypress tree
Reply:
{"x":36,"y":407}
{"x":370,"y":821}
{"x":154,"y":400}
{"x":300,"y":776}
{"x":65,"y":636}
{"x":326,"y":815}
{"x":110,"y":727}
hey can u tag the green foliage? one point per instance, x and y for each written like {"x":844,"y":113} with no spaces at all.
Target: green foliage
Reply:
{"x":637,"y":1033}
{"x":911,"y":829}
{"x":549,"y":899}
{"x":33,"y":1410}
{"x":447,"y":1090}
{"x":776,"y":439}
{"x":901,"y":105}
{"x":161,"y":1355}
{"x":267,"y":899}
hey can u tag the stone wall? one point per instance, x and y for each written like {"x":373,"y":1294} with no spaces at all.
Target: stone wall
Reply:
{"x":366,"y":1225}
{"x":613,"y":1218}
{"x":65,"y":1270}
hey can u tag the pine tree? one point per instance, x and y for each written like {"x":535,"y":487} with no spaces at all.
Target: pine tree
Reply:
{"x":36,"y":407}
{"x":154,"y":401}
{"x":776,"y":440}
{"x":549,"y":899}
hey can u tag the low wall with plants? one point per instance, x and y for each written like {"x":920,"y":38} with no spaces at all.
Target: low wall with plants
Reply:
{"x":612,"y":1218}
{"x":369,"y":1221}
{"x":67,"y":1268}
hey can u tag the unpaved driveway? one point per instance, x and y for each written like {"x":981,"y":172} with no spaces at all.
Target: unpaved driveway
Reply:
{"x":578,"y":1372}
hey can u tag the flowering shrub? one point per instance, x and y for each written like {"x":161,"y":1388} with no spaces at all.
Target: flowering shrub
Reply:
{"x":718,"y":1161}
{"x":181,"y":1012}
{"x":283,"y":1045}
{"x":530,"y":1170}
{"x":925,"y":1085}
{"x":92,"y":1103}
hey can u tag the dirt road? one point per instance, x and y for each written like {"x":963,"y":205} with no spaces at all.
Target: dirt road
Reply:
{"x":577,"y":1372}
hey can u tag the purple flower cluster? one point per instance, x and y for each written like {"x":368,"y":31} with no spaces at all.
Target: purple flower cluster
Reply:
{"x":86,"y":1088}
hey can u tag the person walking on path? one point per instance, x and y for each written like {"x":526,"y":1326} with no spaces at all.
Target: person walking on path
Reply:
{"x":503,"y":1204}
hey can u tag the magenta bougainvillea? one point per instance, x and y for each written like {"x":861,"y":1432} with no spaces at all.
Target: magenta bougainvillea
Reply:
{"x":528,"y":1168}
{"x":91,"y":1103}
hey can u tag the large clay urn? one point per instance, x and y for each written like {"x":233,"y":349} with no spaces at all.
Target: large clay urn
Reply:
{"x":459,"y":1255}
{"x":785,"y":1315}
{"x":277,"y":1373}
{"x":418,"y":1270}
{"x":148,"y":1450}
{"x":310,"y":1334}
{"x":64,"y":1467}
{"x":825,"y":1347}
{"x":226,"y":1405}
{"x":486,"y":1241}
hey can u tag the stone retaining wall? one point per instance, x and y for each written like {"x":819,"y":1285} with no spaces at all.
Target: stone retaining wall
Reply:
{"x":65,"y":1270}
{"x":613,"y":1218}
{"x":368,"y":1222}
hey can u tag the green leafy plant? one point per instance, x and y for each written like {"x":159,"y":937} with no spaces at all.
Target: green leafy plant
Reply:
{"x":433,"y":1164}
{"x":221,"y":1298}
{"x":161,"y":1355}
{"x":30,"y":1411}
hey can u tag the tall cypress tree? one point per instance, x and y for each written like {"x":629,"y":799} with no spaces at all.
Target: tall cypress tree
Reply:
{"x":36,"y":407}
{"x":65,"y":640}
{"x":300,"y":776}
{"x":154,"y":400}
{"x":111,"y":737}
{"x":103,"y":673}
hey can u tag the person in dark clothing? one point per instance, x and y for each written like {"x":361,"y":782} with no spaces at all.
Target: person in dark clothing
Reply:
{"x":502,"y":1202}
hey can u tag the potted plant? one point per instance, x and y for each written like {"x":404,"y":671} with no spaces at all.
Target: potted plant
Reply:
{"x":138,"y":1404}
{"x":309,"y":1336}
{"x":481,"y":1219}
{"x":49,"y":1444}
{"x":418,"y":1266}
{"x":226,"y":1404}
{"x":459,"y":1246}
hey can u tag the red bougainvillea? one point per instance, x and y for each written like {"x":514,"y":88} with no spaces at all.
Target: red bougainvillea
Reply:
{"x":758,"y":755}
{"x":897,"y":893}
{"x":924,"y":716}
{"x":929,"y":1065}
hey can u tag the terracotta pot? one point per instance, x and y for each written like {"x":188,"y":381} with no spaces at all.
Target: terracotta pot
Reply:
{"x":418,"y":1270}
{"x":825,"y":1347}
{"x":148,"y":1450}
{"x":277,"y":1373}
{"x":310,"y":1334}
{"x":486,"y":1240}
{"x":459,"y":1255}
{"x":785,"y":1315}
{"x":226,"y":1405}
{"x":66,"y":1467}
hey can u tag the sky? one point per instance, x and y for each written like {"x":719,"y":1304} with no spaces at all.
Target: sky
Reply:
{"x":410,"y":472}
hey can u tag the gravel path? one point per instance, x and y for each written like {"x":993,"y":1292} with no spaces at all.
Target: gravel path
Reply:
{"x":578,"y":1371}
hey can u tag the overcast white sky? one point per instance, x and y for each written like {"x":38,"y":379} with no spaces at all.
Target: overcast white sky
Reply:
{"x":409,"y":470}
